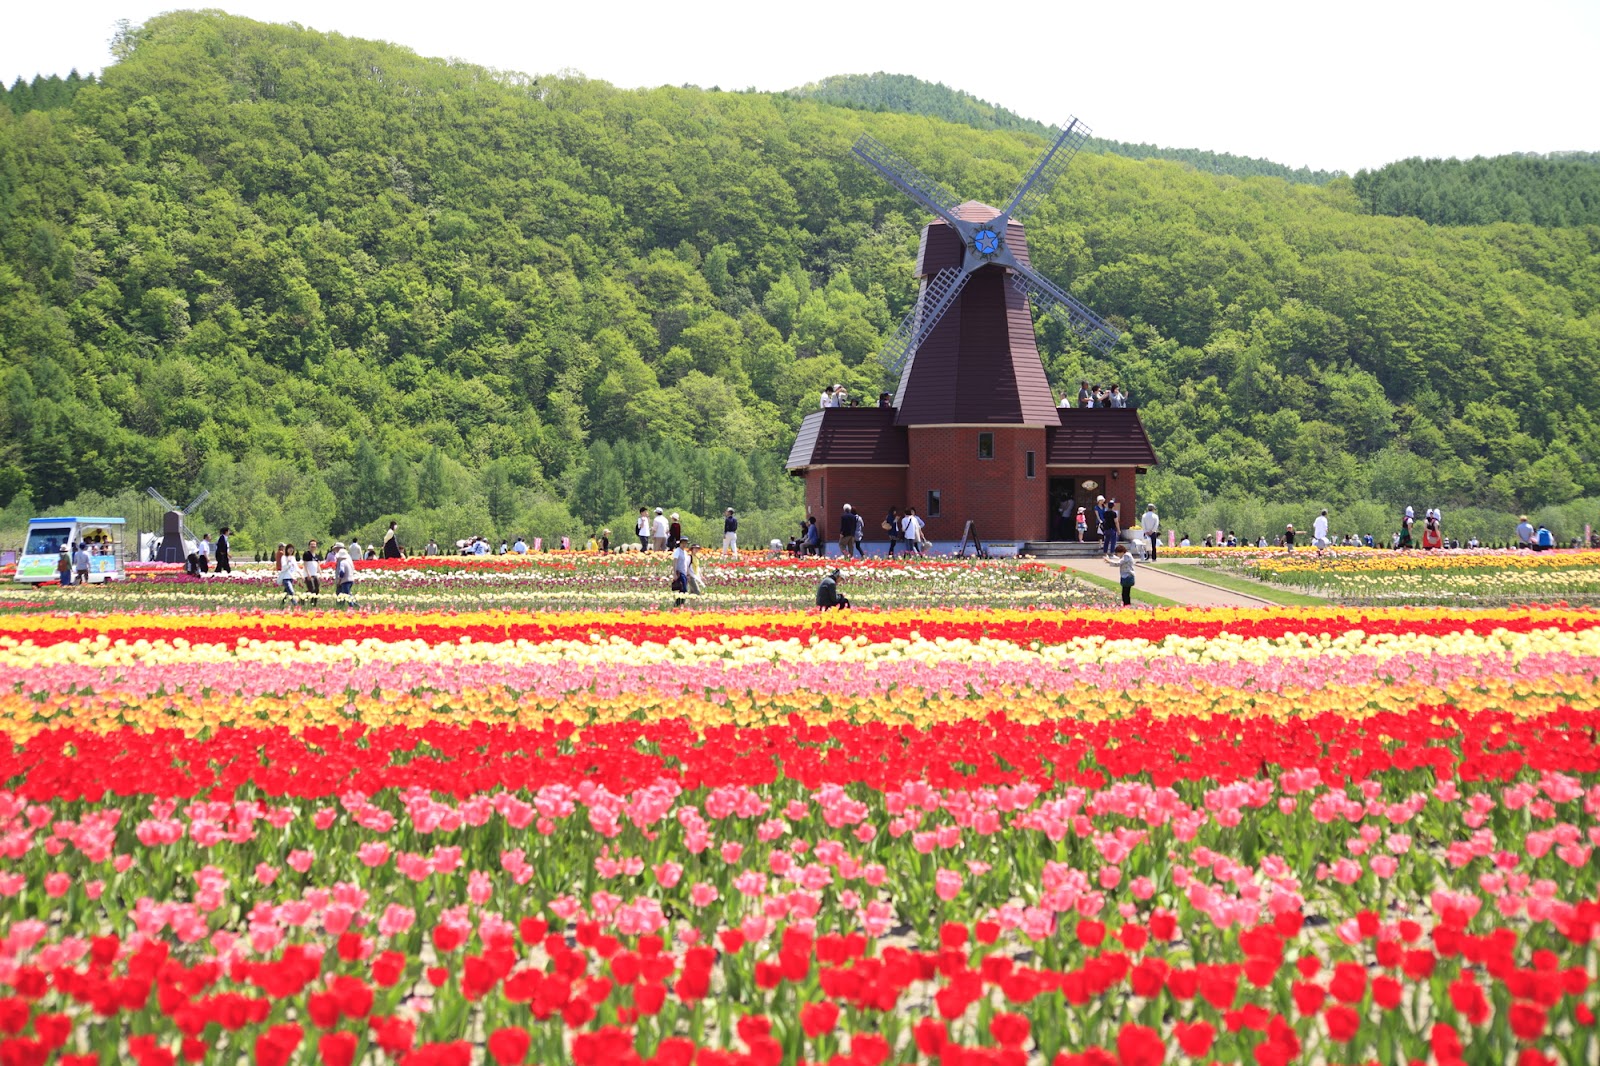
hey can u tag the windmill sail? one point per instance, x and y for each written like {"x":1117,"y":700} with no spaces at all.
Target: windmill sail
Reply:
{"x":1037,"y":185}
{"x":929,"y":192}
{"x":1049,"y":299}
{"x":935,"y":299}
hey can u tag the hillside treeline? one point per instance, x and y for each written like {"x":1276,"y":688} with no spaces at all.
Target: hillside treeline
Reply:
{"x":288,"y":266}
{"x":42,"y":93}
{"x":1562,"y":189}
{"x":914,"y":96}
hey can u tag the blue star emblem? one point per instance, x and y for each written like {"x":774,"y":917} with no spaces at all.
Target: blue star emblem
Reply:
{"x":986,"y":241}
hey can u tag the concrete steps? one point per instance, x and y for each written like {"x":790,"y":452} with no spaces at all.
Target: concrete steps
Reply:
{"x":1061,"y":549}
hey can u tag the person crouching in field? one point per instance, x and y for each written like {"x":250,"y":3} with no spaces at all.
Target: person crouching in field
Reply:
{"x":828,"y":594}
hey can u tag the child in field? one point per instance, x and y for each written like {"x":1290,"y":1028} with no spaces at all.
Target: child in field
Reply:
{"x":1124,"y":564}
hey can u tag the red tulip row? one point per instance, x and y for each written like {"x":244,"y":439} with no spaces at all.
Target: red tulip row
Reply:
{"x":1010,"y":626}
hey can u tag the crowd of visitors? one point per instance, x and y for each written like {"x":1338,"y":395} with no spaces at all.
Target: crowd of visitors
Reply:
{"x":1096,"y":396}
{"x":905,"y":533}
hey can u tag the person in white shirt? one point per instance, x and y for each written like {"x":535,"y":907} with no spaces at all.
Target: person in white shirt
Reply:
{"x":203,"y":550}
{"x":1184,"y":543}
{"x":826,"y":401}
{"x":355,"y":549}
{"x":641,"y":529}
{"x":1319,"y":531}
{"x":911,"y":528}
{"x":1151,"y":524}
{"x":288,"y":573}
{"x":313,"y":574}
{"x":81,"y":563}
{"x":658,"y":531}
{"x":520,"y":547}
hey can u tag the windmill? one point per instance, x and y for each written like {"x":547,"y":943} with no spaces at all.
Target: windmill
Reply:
{"x":973,"y":438}
{"x":175,"y":535}
{"x":986,"y":238}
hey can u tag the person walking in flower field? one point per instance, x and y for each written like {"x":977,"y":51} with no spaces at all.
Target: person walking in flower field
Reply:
{"x":344,"y":575}
{"x":313,"y":574}
{"x":680,"y":572}
{"x":289,"y":572}
{"x":730,"y":532}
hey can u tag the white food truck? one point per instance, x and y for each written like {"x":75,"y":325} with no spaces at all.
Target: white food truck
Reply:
{"x":102,"y":538}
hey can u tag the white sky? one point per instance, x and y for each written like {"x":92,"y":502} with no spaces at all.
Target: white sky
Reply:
{"x":1334,"y":87}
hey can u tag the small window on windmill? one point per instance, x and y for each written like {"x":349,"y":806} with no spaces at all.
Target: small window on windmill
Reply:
{"x":1030,"y":464}
{"x":933,"y":503}
{"x":985,"y":445}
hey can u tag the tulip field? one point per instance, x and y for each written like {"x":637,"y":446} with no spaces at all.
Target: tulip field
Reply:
{"x":1372,"y":577}
{"x":970,"y":834}
{"x":575,"y":581}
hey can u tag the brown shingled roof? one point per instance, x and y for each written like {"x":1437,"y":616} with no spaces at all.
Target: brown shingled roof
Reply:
{"x":980,"y":365}
{"x":849,"y":436}
{"x":1099,"y":436}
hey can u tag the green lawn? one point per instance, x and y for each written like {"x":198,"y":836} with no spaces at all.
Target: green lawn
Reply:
{"x":1139,"y":596}
{"x":1215,"y":577}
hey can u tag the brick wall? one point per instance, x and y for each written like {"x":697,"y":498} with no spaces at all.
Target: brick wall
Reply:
{"x":996,"y":494}
{"x":871,"y":490}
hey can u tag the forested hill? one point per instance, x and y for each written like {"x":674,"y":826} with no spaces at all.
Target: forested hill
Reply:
{"x":1561,"y":189}
{"x":914,"y":96}
{"x":332,"y":280}
{"x":42,"y":93}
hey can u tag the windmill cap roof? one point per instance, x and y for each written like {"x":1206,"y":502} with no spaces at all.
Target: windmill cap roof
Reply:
{"x":975,"y":211}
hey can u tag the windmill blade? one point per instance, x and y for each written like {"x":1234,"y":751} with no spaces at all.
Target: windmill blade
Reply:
{"x":940,"y":292}
{"x":929,"y":192}
{"x":162,"y":500}
{"x":1037,"y":185}
{"x":1047,"y":298}
{"x":205,"y":494}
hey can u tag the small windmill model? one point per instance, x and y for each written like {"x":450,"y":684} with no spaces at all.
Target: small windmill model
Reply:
{"x":175,"y":536}
{"x":988,"y":237}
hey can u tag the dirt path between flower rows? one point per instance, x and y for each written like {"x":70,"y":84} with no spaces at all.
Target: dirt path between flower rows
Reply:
{"x":1184,"y":590}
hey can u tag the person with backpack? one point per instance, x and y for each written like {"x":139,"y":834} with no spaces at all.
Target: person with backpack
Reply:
{"x":344,"y":575}
{"x":911,"y":527}
{"x":1543,"y":540}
